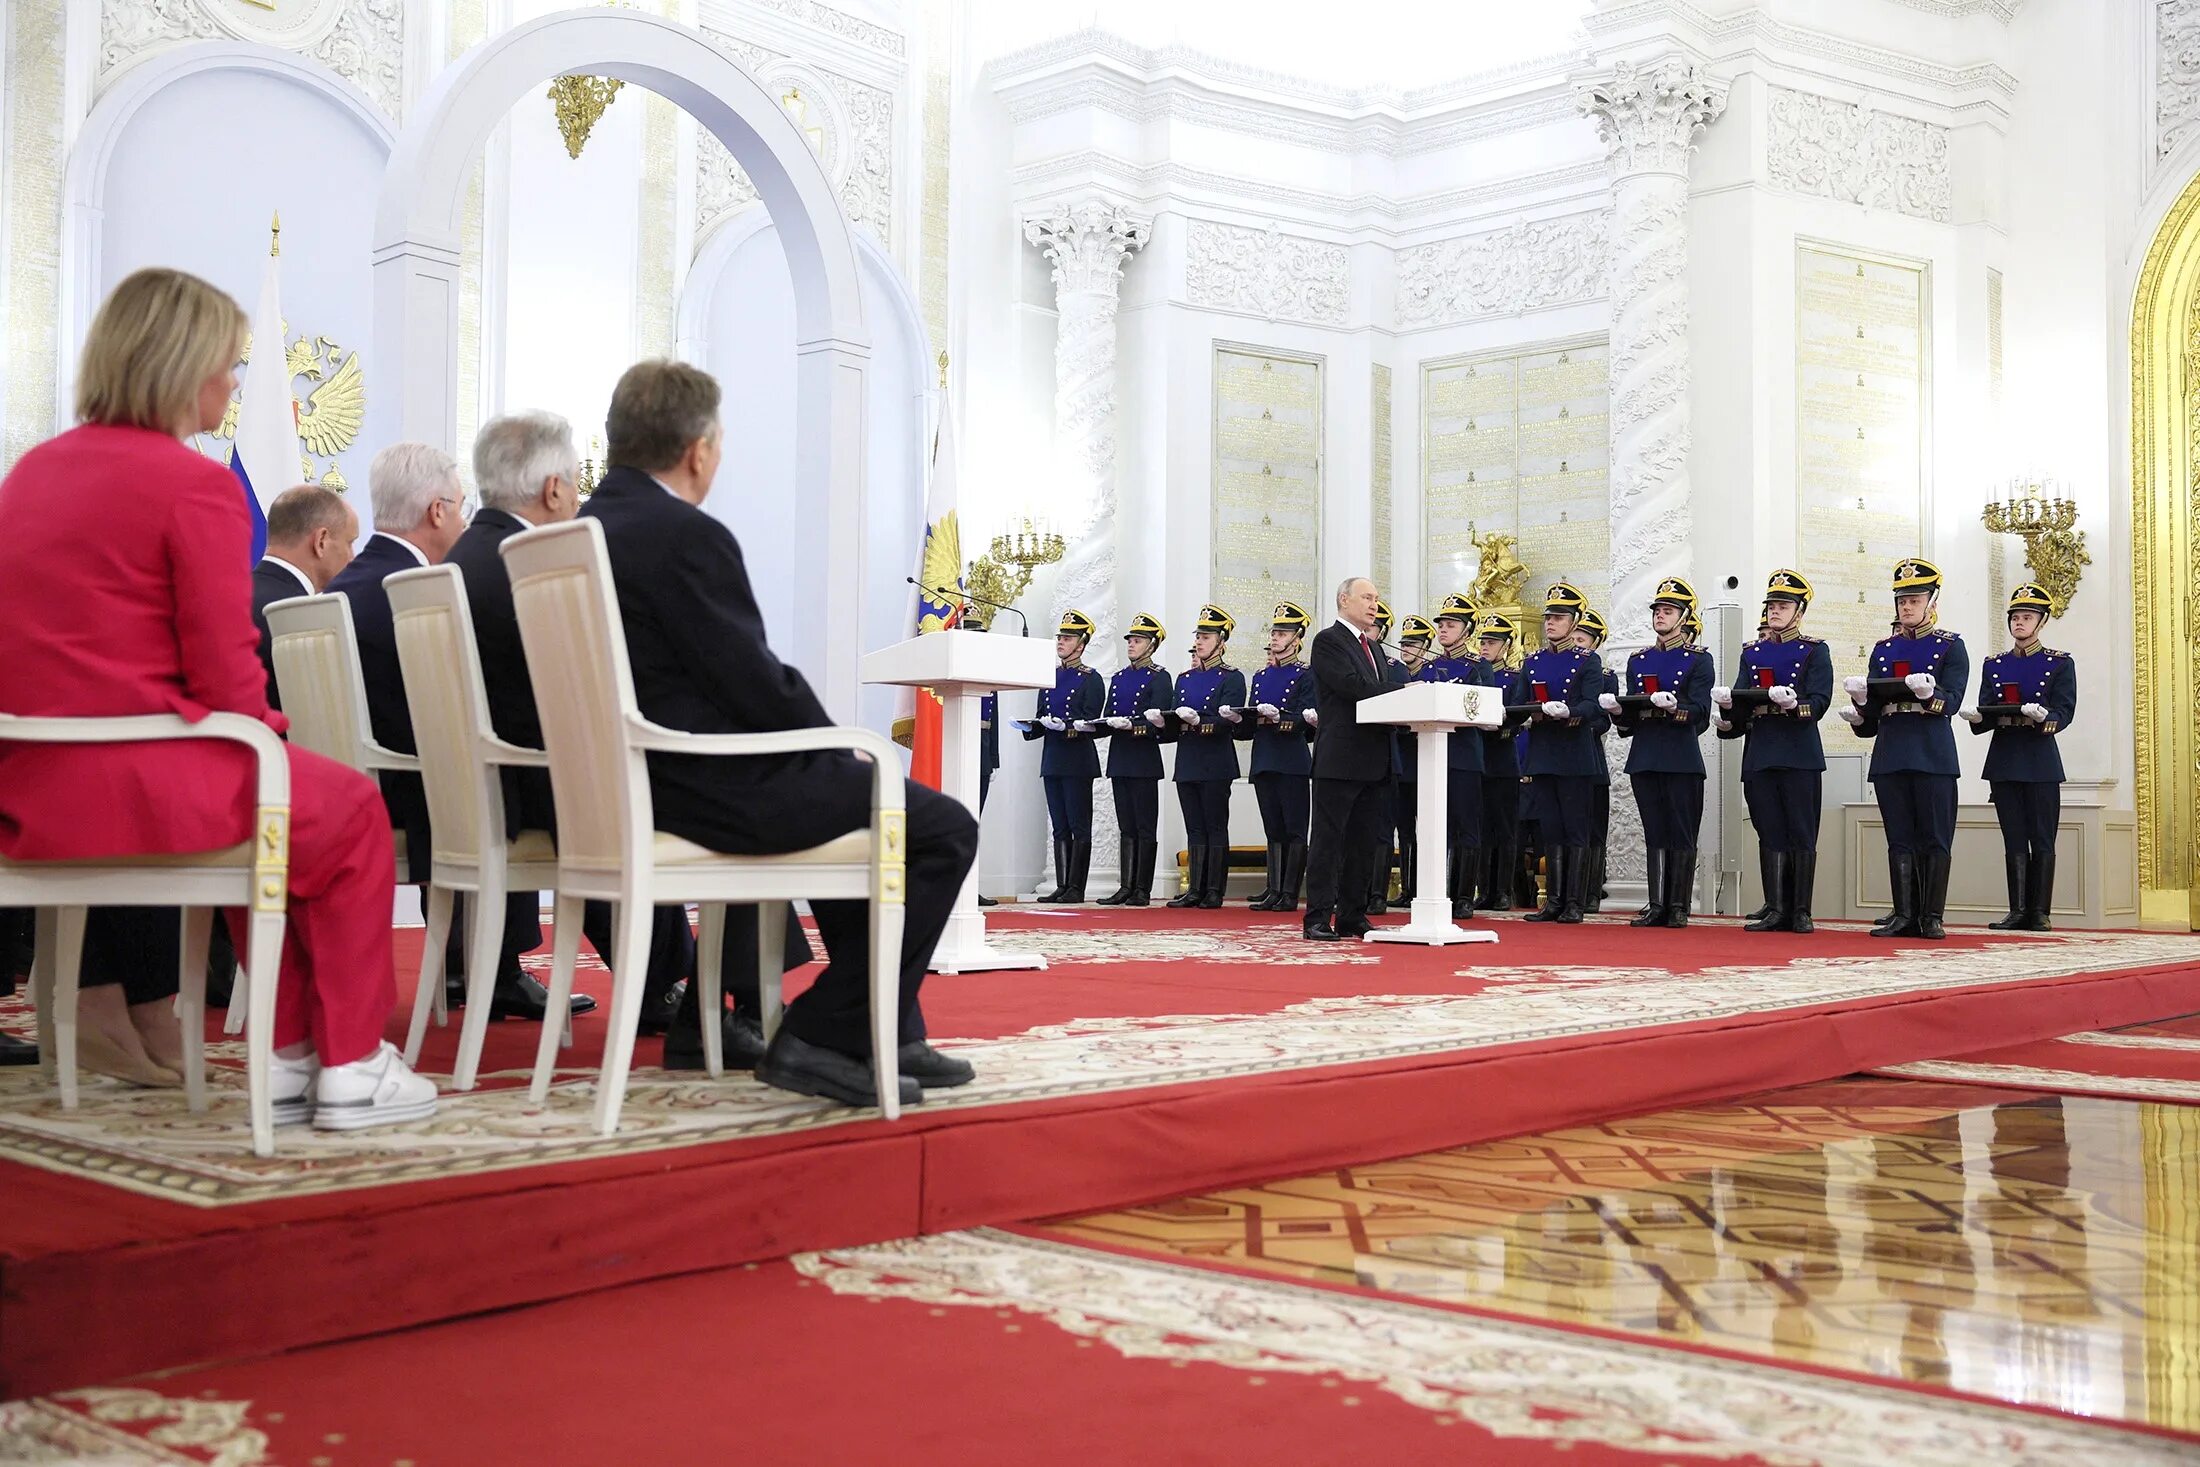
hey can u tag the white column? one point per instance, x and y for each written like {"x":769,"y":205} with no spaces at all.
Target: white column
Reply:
{"x":1087,"y":243}
{"x":1648,"y":119}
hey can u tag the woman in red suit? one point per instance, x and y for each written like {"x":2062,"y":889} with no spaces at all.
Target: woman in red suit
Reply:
{"x":125,"y":588}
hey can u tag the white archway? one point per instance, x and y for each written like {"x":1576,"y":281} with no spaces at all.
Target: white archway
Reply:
{"x":416,"y":262}
{"x":84,"y":177}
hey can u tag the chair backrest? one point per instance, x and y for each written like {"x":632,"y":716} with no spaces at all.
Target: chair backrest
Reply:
{"x":324,"y":692}
{"x":575,"y":639}
{"x":449,"y":701}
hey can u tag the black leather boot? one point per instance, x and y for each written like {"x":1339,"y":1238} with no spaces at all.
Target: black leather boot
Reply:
{"x":2041,"y":892}
{"x":1573,"y":884}
{"x":1409,"y":872}
{"x":1592,"y":887}
{"x":1653,"y":911}
{"x":1378,"y":889}
{"x":1080,"y":865}
{"x":1126,"y":867}
{"x":1766,"y":884}
{"x":1554,"y":881}
{"x":1497,"y":864}
{"x":1143,"y":854}
{"x":1680,"y":887}
{"x":1803,"y":890}
{"x":1525,"y":895}
{"x":1218,"y":877}
{"x":2017,"y":868}
{"x":1932,"y":901}
{"x":1189,"y":897}
{"x":1779,"y":868}
{"x":1459,"y":883}
{"x":1902,"y":876}
{"x":1294,"y":877}
{"x":1061,"y":871}
{"x":1266,"y":901}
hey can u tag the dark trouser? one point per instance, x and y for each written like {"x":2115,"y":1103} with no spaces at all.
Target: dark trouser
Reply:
{"x":1463,"y":810}
{"x":1138,"y":806}
{"x":1784,"y":804}
{"x":985,"y":784}
{"x":1347,"y":821}
{"x":140,"y":948}
{"x":1206,"y":807}
{"x":942,"y":842}
{"x":671,"y":944}
{"x":1672,"y":809}
{"x":2029,"y":814}
{"x":1286,"y":802}
{"x":1069,"y":805}
{"x":1919,"y":811}
{"x":1562,"y":804}
{"x":1500,"y":811}
{"x":1400,"y":815}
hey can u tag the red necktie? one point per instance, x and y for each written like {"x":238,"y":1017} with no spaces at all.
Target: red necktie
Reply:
{"x":1369,"y":643}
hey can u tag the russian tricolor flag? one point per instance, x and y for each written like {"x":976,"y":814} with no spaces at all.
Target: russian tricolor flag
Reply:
{"x":265,"y":455}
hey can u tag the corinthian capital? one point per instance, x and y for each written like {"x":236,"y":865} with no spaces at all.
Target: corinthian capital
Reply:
{"x":1087,"y":243}
{"x":1649,"y":118}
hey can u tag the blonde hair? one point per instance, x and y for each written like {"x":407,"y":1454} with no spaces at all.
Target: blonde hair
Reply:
{"x":157,"y":337}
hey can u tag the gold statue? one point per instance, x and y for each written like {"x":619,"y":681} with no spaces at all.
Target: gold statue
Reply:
{"x":1499,"y":577}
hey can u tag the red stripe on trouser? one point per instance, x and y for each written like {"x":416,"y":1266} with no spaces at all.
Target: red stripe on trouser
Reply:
{"x":338,"y":982}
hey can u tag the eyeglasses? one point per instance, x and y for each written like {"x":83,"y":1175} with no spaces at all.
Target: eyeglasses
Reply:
{"x":465,"y":505}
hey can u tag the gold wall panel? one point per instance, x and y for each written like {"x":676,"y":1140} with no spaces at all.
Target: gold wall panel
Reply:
{"x":1267,"y":487}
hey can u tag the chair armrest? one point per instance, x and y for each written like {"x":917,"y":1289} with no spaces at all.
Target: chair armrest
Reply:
{"x":496,"y":751}
{"x":381,"y":758}
{"x":236,"y":728}
{"x":885,"y":762}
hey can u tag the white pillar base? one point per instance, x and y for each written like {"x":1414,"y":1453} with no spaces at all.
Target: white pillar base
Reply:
{"x":1431,"y":926}
{"x":963,"y":949}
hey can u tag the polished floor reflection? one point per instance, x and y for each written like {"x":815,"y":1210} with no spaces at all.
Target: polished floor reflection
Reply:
{"x":2043,"y":1250}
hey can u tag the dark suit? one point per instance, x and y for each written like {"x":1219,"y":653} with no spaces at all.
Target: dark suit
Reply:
{"x":1351,"y":766}
{"x":272,"y":583}
{"x":700,"y":661}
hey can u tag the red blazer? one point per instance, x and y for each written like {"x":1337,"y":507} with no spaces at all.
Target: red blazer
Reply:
{"x":125,"y":587}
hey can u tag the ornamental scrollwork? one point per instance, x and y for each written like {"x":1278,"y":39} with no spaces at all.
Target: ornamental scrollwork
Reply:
{"x":1536,"y":263}
{"x":1816,"y":145}
{"x":1284,"y":277}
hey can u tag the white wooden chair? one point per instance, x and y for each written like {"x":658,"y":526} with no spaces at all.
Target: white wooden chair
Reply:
{"x":609,"y":848}
{"x":316,"y":655}
{"x":254,"y":875}
{"x":460,"y":762}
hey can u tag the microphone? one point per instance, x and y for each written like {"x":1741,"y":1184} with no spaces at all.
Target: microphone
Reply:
{"x":946,"y":595}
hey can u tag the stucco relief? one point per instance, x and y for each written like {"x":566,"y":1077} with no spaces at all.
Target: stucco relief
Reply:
{"x":1816,"y":145}
{"x":360,"y":40}
{"x":2176,"y":73}
{"x":1284,"y":277}
{"x":850,"y":124}
{"x":1542,"y":262}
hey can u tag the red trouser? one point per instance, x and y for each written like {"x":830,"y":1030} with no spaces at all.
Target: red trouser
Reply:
{"x":338,"y":974}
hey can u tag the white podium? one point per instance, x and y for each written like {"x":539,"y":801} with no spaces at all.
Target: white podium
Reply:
{"x":1433,"y":710}
{"x":962,"y":667}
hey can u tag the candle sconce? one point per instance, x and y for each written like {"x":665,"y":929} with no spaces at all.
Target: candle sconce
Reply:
{"x":2054,"y":552}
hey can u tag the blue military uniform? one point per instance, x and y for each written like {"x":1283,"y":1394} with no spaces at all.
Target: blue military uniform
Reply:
{"x":1281,"y":765}
{"x":1664,"y":759}
{"x":1913,"y":767}
{"x":1206,"y":765}
{"x":1134,"y":760}
{"x":1592,"y":626}
{"x":1415,"y":635}
{"x":1069,"y":759}
{"x":1500,"y":774}
{"x":2024,"y":768}
{"x":1783,"y":762}
{"x":1463,"y":756}
{"x":1563,"y":755}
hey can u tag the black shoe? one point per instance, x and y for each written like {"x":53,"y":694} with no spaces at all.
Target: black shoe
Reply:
{"x":1803,"y":889}
{"x":1318,"y":930}
{"x":524,"y":998}
{"x":2042,"y":892}
{"x":1932,"y":902}
{"x":1902,"y":876}
{"x":14,"y":1051}
{"x":1653,"y":912}
{"x":743,"y":1038}
{"x":1680,"y":886}
{"x":986,"y":901}
{"x":931,"y":1069}
{"x":1778,"y":867}
{"x":811,"y":1069}
{"x":2017,"y":868}
{"x":661,"y":1014}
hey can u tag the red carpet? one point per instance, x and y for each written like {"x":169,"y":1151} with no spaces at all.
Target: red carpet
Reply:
{"x":1163,"y":1052}
{"x":2159,"y":1062}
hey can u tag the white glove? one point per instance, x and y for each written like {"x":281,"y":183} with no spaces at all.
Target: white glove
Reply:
{"x":1921,"y":685}
{"x":1970,"y":715}
{"x":1313,"y":718}
{"x":1609,"y":702}
{"x":1724,"y":697}
{"x":1270,"y":711}
{"x":1231,"y":715}
{"x":2036,"y":712}
{"x":1156,"y":717}
{"x":1188,"y":715}
{"x":1083,"y":725}
{"x":1122,"y":723}
{"x":1054,"y":723}
{"x":1664,"y":700}
{"x":1556,"y":710}
{"x":1855,"y":686}
{"x":1851,"y":717}
{"x":1021,"y":725}
{"x":1782,"y":697}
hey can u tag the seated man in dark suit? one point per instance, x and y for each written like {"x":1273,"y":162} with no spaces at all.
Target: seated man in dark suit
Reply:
{"x":695,"y":641}
{"x":310,"y":531}
{"x":527,"y":472}
{"x":417,"y":519}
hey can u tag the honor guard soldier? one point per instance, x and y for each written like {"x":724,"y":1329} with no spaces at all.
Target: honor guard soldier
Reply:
{"x":2024,"y":768}
{"x":1208,"y":697}
{"x":1916,"y":684}
{"x":1139,"y":698}
{"x":1496,"y":636}
{"x":1281,"y":766}
{"x":1458,"y":661}
{"x":1069,"y":761}
{"x":1402,"y":808}
{"x":1589,"y":635}
{"x":1664,"y":760}
{"x":1788,"y":678}
{"x":1561,"y":760}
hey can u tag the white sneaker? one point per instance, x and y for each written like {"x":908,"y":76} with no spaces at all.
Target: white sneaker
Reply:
{"x":292,"y":1082}
{"x":379,"y":1090}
